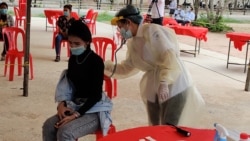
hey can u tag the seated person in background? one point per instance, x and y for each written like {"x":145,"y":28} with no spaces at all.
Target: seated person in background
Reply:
{"x":63,"y":23}
{"x":189,"y":16}
{"x":179,"y":14}
{"x":6,"y":20}
{"x":83,"y":107}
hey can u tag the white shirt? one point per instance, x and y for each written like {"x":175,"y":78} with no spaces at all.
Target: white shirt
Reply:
{"x":161,"y":6}
{"x":189,"y":16}
{"x":179,"y":14}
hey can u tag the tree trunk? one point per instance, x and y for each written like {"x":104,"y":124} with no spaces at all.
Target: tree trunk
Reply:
{"x":196,"y":8}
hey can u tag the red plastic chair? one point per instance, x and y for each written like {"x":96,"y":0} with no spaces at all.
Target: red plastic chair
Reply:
{"x":117,"y":38}
{"x":101,"y":44}
{"x":55,"y":32}
{"x":88,"y":15}
{"x":15,"y":51}
{"x":92,"y":23}
{"x":49,"y":14}
{"x":75,"y":15}
{"x":19,"y":18}
{"x":108,"y":89}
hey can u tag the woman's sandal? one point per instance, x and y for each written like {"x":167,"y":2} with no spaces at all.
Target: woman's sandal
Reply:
{"x":2,"y":58}
{"x":57,"y":59}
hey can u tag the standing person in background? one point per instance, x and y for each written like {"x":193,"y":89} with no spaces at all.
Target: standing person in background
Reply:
{"x":63,"y":23}
{"x":157,"y":10}
{"x":172,"y":6}
{"x":6,"y":20}
{"x":166,"y":87}
{"x":189,"y":16}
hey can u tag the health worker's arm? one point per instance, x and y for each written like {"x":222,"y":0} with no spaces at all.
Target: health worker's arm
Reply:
{"x":124,"y":69}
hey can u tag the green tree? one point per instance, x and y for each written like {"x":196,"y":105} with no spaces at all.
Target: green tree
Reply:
{"x":212,"y":19}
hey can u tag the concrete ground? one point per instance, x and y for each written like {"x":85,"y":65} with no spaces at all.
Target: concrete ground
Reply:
{"x":22,"y":117}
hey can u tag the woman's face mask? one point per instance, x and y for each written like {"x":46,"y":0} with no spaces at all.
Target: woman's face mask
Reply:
{"x":3,"y":11}
{"x":77,"y":50}
{"x":126,"y":34}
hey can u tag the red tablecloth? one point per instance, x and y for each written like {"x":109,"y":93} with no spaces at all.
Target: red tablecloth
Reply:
{"x":160,"y":133}
{"x":169,"y":21}
{"x":199,"y":33}
{"x":239,"y":39}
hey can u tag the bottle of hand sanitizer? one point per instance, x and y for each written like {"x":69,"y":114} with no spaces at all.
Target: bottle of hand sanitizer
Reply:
{"x":221,"y":133}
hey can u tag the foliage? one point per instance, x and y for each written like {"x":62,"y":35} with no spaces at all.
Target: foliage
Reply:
{"x":11,"y":12}
{"x":104,"y":16}
{"x":217,"y":26}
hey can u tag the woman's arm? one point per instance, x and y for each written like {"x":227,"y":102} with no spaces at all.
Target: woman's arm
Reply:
{"x":10,"y":20}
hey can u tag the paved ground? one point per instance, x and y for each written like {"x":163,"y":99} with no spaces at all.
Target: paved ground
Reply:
{"x":22,"y":117}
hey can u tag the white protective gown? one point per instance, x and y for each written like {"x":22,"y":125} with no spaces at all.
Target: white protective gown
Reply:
{"x":155,"y":51}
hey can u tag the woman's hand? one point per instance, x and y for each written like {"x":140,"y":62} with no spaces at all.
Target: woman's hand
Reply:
{"x":65,"y":120}
{"x":62,"y":110}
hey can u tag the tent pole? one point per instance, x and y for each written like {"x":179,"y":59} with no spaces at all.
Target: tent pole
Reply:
{"x":27,"y":50}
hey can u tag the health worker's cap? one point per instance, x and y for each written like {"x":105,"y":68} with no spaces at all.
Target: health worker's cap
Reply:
{"x":128,"y":12}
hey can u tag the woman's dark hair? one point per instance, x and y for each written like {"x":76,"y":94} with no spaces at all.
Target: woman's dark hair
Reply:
{"x":79,"y":29}
{"x":68,"y":6}
{"x":4,"y":3}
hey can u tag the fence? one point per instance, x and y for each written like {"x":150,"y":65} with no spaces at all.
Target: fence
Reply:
{"x":113,"y":5}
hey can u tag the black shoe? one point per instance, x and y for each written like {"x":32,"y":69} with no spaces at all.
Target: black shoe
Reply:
{"x":57,"y":59}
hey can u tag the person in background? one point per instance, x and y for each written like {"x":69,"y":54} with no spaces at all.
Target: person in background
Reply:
{"x":157,"y":11}
{"x":172,"y":6}
{"x":6,"y":20}
{"x":83,"y":107}
{"x":179,"y":14}
{"x":63,"y":23}
{"x":189,"y":16}
{"x":166,"y":87}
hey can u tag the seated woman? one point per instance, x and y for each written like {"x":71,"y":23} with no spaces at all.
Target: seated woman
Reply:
{"x":63,"y":23}
{"x":82,"y":106}
{"x":6,"y":20}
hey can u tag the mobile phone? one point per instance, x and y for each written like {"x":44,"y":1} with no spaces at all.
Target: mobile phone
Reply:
{"x":67,"y":113}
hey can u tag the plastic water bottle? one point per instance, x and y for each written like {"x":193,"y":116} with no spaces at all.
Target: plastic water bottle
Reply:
{"x":221,"y":133}
{"x":244,"y":137}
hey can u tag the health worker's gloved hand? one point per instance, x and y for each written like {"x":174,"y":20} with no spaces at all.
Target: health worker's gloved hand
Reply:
{"x":163,"y":92}
{"x":109,"y":66}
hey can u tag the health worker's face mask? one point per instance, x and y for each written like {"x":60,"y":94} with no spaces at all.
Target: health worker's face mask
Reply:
{"x":3,"y":11}
{"x":126,"y":34}
{"x":77,"y":50}
{"x":66,"y":13}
